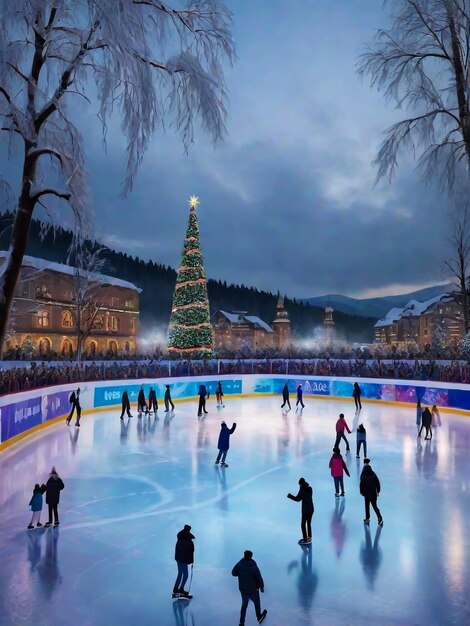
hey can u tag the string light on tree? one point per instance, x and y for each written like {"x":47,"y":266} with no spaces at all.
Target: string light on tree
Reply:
{"x":190,"y":330}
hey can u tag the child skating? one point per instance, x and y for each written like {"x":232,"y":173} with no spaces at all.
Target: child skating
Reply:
{"x":341,"y":426}
{"x":361,"y":440}
{"x":337,"y":468}
{"x":36,"y":506}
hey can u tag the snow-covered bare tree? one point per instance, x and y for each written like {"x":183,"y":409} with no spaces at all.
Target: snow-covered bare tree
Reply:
{"x":458,"y":264}
{"x":422,"y":62}
{"x":145,"y":59}
{"x":88,"y":264}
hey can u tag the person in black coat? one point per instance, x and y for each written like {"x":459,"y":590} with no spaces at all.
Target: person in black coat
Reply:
{"x":141,"y":402}
{"x":426,"y":421}
{"x":184,"y":556}
{"x":219,"y":394}
{"x":75,"y":402}
{"x":305,"y":496}
{"x":250,"y":583}
{"x":369,"y":487}
{"x":224,"y":443}
{"x":54,"y":486}
{"x":125,"y":405}
{"x":168,"y":400}
{"x":153,"y":404}
{"x":285,"y":397}
{"x":202,"y":393}
{"x":357,"y":396}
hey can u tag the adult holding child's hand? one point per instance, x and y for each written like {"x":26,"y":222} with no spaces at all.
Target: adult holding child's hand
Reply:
{"x":54,"y":486}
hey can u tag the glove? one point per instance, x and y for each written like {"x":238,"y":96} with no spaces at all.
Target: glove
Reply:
{"x":262,"y":589}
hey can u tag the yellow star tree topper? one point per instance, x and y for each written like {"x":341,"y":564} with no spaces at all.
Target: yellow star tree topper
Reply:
{"x":193,"y":202}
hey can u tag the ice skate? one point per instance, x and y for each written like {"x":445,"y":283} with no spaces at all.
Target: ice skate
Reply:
{"x":185,"y":595}
{"x":175,"y":595}
{"x":223,"y":465}
{"x":380,"y":522}
{"x":366,"y":521}
{"x":302,"y":542}
{"x":262,"y":616}
{"x":39,"y":525}
{"x":30,"y":527}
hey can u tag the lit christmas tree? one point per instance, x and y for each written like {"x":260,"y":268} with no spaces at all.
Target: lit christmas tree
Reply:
{"x":190,"y":330}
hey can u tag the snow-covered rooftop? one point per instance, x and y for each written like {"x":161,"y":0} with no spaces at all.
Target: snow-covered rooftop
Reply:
{"x":61,"y":268}
{"x":413,"y":308}
{"x":239,"y":317}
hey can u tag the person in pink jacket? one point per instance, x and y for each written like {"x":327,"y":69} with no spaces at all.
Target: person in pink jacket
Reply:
{"x":337,"y":467}
{"x":341,"y":425}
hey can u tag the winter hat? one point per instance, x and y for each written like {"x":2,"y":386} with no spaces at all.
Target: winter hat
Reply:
{"x":366,"y":461}
{"x":301,"y":481}
{"x":341,"y":414}
{"x":222,"y":423}
{"x":187,"y":527}
{"x":53,"y":470}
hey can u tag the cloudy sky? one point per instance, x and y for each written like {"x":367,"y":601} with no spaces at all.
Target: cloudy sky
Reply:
{"x":288,"y":200}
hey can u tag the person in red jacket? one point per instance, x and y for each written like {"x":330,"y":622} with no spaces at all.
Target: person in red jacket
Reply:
{"x":337,"y":467}
{"x":341,"y":425}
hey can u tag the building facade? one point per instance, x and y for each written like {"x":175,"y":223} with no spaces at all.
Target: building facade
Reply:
{"x":416,"y":322}
{"x":44,"y":315}
{"x":236,"y":329}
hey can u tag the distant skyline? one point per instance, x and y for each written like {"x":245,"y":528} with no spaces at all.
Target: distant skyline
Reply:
{"x":288,"y":201}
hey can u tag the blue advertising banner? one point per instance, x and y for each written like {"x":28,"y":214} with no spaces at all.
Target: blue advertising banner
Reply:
{"x":20,"y":416}
{"x":55,"y":404}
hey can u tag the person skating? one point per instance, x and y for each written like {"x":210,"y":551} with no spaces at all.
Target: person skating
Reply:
{"x":337,"y":467}
{"x":153,"y":403}
{"x":36,"y":505}
{"x":141,"y":402}
{"x":357,"y":396}
{"x":436,"y":416}
{"x":369,"y":487}
{"x":361,"y":439}
{"x":300,"y":393}
{"x":305,"y":496}
{"x":250,"y":583}
{"x":219,"y":394}
{"x":285,"y":397}
{"x":168,"y":400}
{"x":341,"y":426}
{"x":426,"y":422}
{"x":184,"y":556}
{"x":419,"y":413}
{"x":75,"y":402}
{"x":202,"y":393}
{"x":224,"y":443}
{"x":54,"y":486}
{"x":125,"y":405}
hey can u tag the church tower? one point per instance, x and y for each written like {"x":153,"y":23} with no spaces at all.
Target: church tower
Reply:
{"x":329,"y":325}
{"x":281,"y":325}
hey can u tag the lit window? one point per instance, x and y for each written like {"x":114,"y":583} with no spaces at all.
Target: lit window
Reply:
{"x":67,"y":320}
{"x":43,"y":319}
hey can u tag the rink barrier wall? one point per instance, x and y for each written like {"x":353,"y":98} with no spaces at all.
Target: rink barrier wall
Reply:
{"x":25,"y":413}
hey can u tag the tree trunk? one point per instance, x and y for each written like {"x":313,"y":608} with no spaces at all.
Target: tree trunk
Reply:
{"x":17,"y":248}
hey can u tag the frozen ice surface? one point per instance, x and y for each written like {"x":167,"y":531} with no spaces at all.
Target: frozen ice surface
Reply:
{"x":130,"y":489}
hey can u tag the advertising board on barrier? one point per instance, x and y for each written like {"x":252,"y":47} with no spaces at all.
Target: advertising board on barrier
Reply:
{"x":112,"y":395}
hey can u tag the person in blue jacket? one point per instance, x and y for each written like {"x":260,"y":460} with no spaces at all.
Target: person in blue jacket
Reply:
{"x":300,"y":393}
{"x":224,"y":443}
{"x":36,"y":505}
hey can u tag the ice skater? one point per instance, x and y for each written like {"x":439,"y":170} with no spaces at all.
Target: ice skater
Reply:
{"x":219,"y":394}
{"x":357,"y":396}
{"x":75,"y":402}
{"x":305,"y":496}
{"x":224,"y":443}
{"x":168,"y":399}
{"x":54,"y":486}
{"x":341,"y":426}
{"x":418,"y":415}
{"x":184,"y":556}
{"x":426,"y":422}
{"x":369,"y":487}
{"x":300,"y":393}
{"x":153,"y":403}
{"x":125,"y":405}
{"x":361,"y":439}
{"x":250,"y":583}
{"x":337,"y":467}
{"x":285,"y":398}
{"x":141,"y":402}
{"x":436,"y":416}
{"x":202,"y":393}
{"x":36,"y":506}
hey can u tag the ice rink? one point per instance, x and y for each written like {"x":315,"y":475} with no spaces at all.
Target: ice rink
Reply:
{"x":130,"y":487}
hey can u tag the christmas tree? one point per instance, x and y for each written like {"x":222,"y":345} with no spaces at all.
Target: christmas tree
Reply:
{"x":190,"y":329}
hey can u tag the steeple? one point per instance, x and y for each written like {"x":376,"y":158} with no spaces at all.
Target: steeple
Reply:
{"x":281,"y":324}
